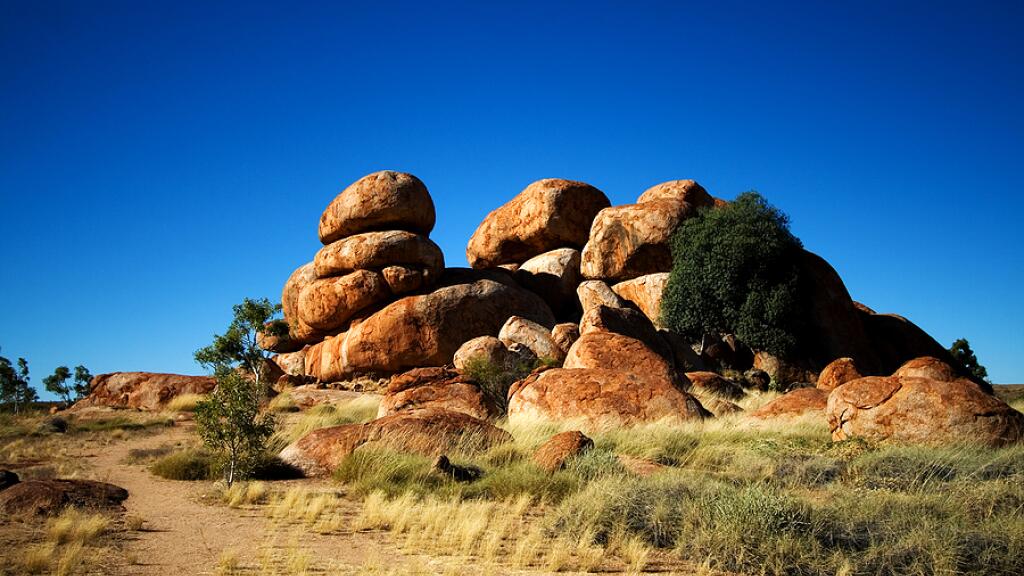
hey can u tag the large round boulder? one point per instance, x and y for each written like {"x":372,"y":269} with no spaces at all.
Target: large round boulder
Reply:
{"x":610,"y":351}
{"x":838,"y":372}
{"x":627,"y":322}
{"x":645,"y":293}
{"x":440,"y":388}
{"x":927,"y":367}
{"x":600,"y":398}
{"x":328,"y":303}
{"x":425,"y":330}
{"x":429,"y":432}
{"x":142,"y":390}
{"x":594,"y":293}
{"x":554,"y":276}
{"x":548,"y":214}
{"x":678,"y":191}
{"x":519,"y":330}
{"x":299,"y":333}
{"x":377,"y":250}
{"x":484,"y":349}
{"x":921,"y":411}
{"x":383,"y":200}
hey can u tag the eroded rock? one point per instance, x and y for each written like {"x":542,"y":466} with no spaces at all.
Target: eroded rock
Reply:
{"x":385,"y":200}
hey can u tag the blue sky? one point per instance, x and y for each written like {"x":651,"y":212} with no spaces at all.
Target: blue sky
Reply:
{"x":161,"y":160}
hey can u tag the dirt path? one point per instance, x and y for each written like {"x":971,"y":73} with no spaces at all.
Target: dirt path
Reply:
{"x":184,"y":535}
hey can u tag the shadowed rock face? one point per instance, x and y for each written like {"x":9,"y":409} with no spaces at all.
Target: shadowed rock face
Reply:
{"x":921,"y":410}
{"x":142,"y":390}
{"x":49,"y":497}
{"x":383,"y":200}
{"x":548,"y":214}
{"x":424,"y":330}
{"x":645,"y":293}
{"x":554,"y":276}
{"x":553,"y":454}
{"x":430,"y":432}
{"x":439,"y":388}
{"x":711,"y":383}
{"x":601,"y":397}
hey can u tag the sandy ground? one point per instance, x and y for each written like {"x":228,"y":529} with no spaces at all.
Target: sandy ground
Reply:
{"x":184,"y":535}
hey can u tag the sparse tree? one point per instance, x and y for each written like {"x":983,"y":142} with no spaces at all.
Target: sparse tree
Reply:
{"x":57,"y":383}
{"x":15,"y":390}
{"x":233,"y":420}
{"x":232,"y":423}
{"x":735,"y":270}
{"x":962,"y":353}
{"x":82,"y":379}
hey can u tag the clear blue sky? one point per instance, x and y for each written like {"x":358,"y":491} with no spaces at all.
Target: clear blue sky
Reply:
{"x":161,"y":160}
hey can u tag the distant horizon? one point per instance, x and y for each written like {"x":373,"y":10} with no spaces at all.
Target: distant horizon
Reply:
{"x":159,"y":163}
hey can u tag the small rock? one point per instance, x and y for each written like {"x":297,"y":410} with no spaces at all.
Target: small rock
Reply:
{"x":553,"y":454}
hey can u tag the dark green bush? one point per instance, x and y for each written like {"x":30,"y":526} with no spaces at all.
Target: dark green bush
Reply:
{"x":735,"y":270}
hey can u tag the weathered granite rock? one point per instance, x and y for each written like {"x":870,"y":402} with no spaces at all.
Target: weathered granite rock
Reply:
{"x":519,"y":330}
{"x":610,"y":351}
{"x":48,"y":497}
{"x":799,"y":402}
{"x":554,"y":275}
{"x":921,"y":411}
{"x":600,"y":398}
{"x":377,"y":250}
{"x":439,"y":388}
{"x":594,"y":293}
{"x":142,"y":390}
{"x":429,"y":432}
{"x":645,"y":293}
{"x":328,"y":303}
{"x":548,"y":214}
{"x":838,"y":372}
{"x":383,"y":200}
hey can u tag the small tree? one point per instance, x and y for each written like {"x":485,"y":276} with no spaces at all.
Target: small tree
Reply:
{"x":57,"y":383}
{"x":232,"y":421}
{"x":14,"y":384}
{"x":735,"y":270}
{"x":82,"y":379}
{"x":962,"y":353}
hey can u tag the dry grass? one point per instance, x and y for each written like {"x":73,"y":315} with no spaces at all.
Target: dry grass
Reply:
{"x":74,"y":542}
{"x":361,"y":409}
{"x":244,"y":494}
{"x":184,"y":402}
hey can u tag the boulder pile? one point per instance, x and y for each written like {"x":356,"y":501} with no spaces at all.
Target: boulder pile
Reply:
{"x":142,"y":390}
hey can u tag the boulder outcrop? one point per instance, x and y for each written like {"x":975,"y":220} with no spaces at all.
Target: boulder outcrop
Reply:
{"x":142,"y":390}
{"x":439,"y":388}
{"x":600,"y":398}
{"x":519,"y":330}
{"x":385,"y":200}
{"x":548,"y":214}
{"x":377,"y":250}
{"x":799,"y":402}
{"x":424,"y":330}
{"x":611,"y":351}
{"x":709,"y":383}
{"x":481,"y":349}
{"x":430,"y":432}
{"x":921,"y":411}
{"x":328,"y":303}
{"x":594,"y":293}
{"x":927,"y":367}
{"x":554,"y":276}
{"x":627,"y":322}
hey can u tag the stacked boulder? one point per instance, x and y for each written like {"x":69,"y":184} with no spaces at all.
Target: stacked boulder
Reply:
{"x":377,"y":299}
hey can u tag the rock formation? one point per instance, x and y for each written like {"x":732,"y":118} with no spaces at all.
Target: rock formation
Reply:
{"x":142,"y":390}
{"x":560,"y":448}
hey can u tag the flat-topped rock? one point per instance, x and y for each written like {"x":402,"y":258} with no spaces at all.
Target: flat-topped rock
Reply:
{"x":610,"y":351}
{"x":142,"y":390}
{"x":439,"y":388}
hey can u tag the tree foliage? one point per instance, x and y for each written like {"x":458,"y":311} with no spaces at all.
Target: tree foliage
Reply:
{"x":735,"y":270}
{"x":962,"y":353}
{"x":58,"y":383}
{"x":15,"y":390}
{"x":233,"y":421}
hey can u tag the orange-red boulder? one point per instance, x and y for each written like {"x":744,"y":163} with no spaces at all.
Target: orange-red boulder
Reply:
{"x":678,"y":191}
{"x":328,"y":303}
{"x":376,"y":250}
{"x":299,"y":333}
{"x":645,"y":293}
{"x":142,"y":390}
{"x":424,"y":330}
{"x":610,"y":351}
{"x":627,"y":322}
{"x":921,"y":411}
{"x":427,"y":431}
{"x":594,"y":293}
{"x":927,"y":367}
{"x":799,"y":402}
{"x":565,"y":335}
{"x":383,"y":200}
{"x":439,"y":388}
{"x":548,"y":214}
{"x":519,"y":330}
{"x":560,"y":448}
{"x":838,"y":372}
{"x":487,"y":349}
{"x":554,"y":276}
{"x":600,"y":397}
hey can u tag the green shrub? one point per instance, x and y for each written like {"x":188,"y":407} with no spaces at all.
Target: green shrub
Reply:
{"x":496,"y":379}
{"x":186,"y":465}
{"x":735,"y":269}
{"x":369,"y":469}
